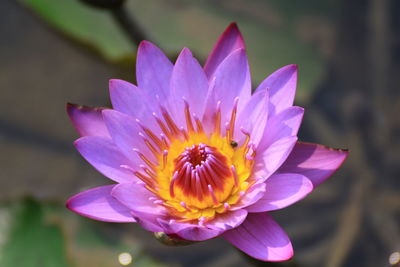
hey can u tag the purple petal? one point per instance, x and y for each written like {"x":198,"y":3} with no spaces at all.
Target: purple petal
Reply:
{"x":282,"y":190}
{"x":126,"y":134}
{"x":314,"y":161}
{"x":188,"y":82}
{"x":284,"y":124}
{"x":261,"y":238}
{"x":137,"y":198}
{"x":253,"y":194}
{"x":232,"y":79}
{"x":126,"y":97}
{"x":98,"y":204}
{"x":253,"y":118}
{"x":195,"y":232}
{"x":148,"y":221}
{"x":230,"y":40}
{"x":141,"y":203}
{"x":282,"y":88}
{"x":153,"y":70}
{"x":228,"y":220}
{"x":131,"y":100}
{"x":105,"y":157}
{"x":269,"y":160}
{"x":189,"y":231}
{"x":87,"y":121}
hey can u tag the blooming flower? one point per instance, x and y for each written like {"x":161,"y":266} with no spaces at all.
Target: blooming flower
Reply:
{"x":195,"y":155}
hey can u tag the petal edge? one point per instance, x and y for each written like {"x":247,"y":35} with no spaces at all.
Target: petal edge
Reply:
{"x":316,"y":162}
{"x":98,"y":204}
{"x":262,"y":238}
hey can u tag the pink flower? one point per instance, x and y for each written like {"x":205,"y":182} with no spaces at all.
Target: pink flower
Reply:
{"x":195,"y":155}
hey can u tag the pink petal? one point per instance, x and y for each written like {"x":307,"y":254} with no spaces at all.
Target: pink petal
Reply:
{"x":126,"y":97}
{"x":230,"y":40}
{"x":148,"y":221}
{"x":131,"y":100}
{"x":282,"y":190}
{"x":137,"y":198}
{"x":253,"y":194}
{"x":262,"y":238}
{"x":314,"y":161}
{"x":253,"y":118}
{"x":126,"y":134}
{"x":232,"y":79}
{"x":211,"y":229}
{"x":98,"y":204}
{"x":284,"y":124}
{"x":282,"y":88}
{"x":87,"y":121}
{"x":101,"y":152}
{"x":141,"y":203}
{"x":269,"y":160}
{"x":189,"y":231}
{"x":188,"y":82}
{"x":228,"y":220}
{"x":153,"y":70}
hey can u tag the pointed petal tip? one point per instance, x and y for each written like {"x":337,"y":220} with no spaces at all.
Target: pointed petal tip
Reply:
{"x":147,"y":46}
{"x":297,"y":109}
{"x":97,"y":204}
{"x":233,"y":28}
{"x":86,"y":120}
{"x":68,"y":204}
{"x":119,"y":82}
{"x":230,"y":40}
{"x":78,"y":142}
{"x":144,"y":44}
{"x":289,"y":68}
{"x":343,"y":150}
{"x":70,"y":107}
{"x":317,"y":162}
{"x":112,"y":82}
{"x":115,"y":84}
{"x":185,"y":52}
{"x":73,"y":107}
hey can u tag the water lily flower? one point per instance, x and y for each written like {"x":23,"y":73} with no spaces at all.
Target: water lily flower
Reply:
{"x":196,"y":155}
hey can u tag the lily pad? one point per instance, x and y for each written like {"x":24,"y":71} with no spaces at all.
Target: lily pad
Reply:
{"x":31,"y":241}
{"x":92,"y":27}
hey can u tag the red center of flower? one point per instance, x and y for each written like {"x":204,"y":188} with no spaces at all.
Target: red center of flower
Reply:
{"x":200,"y":170}
{"x":195,"y":155}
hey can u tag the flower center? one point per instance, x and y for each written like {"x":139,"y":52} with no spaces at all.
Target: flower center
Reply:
{"x":197,"y":175}
{"x":199,"y":171}
{"x":195,"y":155}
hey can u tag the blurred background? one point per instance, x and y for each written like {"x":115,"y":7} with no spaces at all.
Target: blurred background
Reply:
{"x":53,"y":52}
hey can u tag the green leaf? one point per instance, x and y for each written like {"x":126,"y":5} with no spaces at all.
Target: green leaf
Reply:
{"x":32,"y":242}
{"x":92,"y":27}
